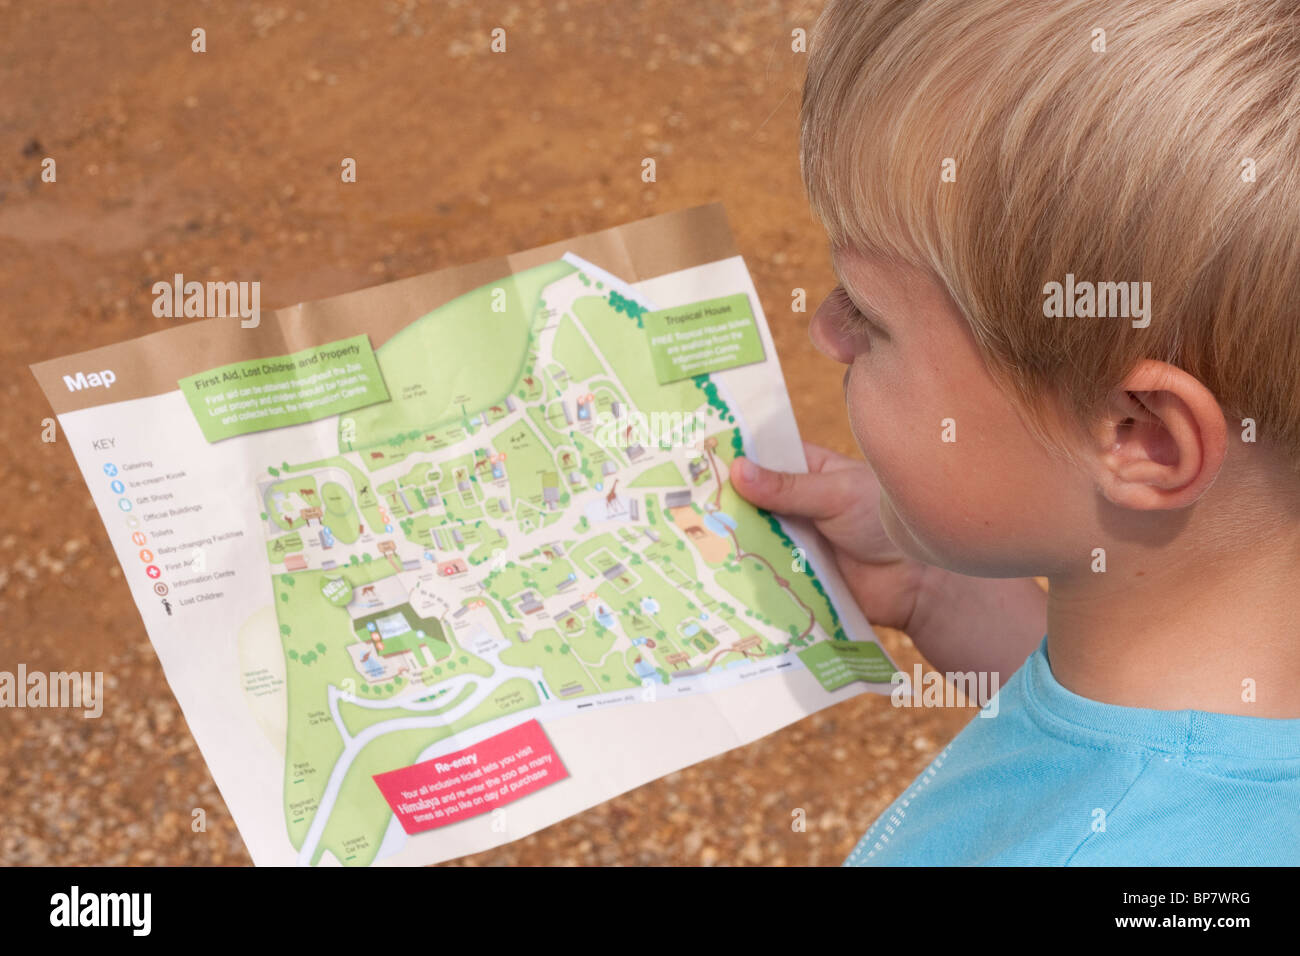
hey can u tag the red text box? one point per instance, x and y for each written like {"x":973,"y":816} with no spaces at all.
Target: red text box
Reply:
{"x":465,"y":783}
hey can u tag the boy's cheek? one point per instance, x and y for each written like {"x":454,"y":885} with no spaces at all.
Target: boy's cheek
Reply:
{"x":922,"y":527}
{"x":946,"y":505}
{"x":979,"y":517}
{"x":954,"y":540}
{"x":920,"y":504}
{"x":949,"y":503}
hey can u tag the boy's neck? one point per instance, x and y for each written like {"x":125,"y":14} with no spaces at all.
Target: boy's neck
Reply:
{"x":1222,"y":637}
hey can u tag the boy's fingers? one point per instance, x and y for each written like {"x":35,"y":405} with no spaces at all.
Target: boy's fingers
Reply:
{"x":809,"y":494}
{"x":822,"y":459}
{"x":816,"y":455}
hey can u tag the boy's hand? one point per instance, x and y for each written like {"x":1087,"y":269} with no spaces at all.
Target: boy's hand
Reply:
{"x":842,"y":498}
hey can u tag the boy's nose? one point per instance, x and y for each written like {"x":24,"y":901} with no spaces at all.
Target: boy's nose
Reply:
{"x":831,"y":339}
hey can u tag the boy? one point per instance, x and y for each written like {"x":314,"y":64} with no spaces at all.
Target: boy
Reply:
{"x":970,"y":159}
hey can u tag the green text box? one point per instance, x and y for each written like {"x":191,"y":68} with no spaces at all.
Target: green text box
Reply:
{"x":281,"y":390}
{"x":836,"y":663}
{"x":702,"y":337}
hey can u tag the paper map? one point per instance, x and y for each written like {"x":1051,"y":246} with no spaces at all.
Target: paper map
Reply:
{"x":423,"y":593}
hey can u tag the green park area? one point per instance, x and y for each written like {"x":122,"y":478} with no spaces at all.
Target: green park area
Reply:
{"x":529,"y":466}
{"x":367,"y":500}
{"x":573,"y":352}
{"x":665,"y":475}
{"x":361,"y":814}
{"x":623,"y":343}
{"x":340,"y":513}
{"x":457,"y":361}
{"x":563,"y":672}
{"x":357,"y":718}
{"x":314,"y":633}
{"x":277,"y":548}
{"x":550,"y":422}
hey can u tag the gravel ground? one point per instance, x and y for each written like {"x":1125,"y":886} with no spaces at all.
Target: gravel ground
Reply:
{"x":226,"y":164}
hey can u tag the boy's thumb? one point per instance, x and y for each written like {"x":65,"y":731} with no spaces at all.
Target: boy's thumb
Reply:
{"x":787,"y":492}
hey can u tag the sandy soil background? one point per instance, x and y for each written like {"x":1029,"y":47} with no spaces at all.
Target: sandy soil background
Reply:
{"x":226,"y":165}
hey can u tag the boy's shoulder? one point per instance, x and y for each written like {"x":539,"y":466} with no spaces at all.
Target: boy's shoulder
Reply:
{"x":1052,"y":778}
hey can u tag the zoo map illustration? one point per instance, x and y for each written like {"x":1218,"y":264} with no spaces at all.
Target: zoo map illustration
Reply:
{"x":518,"y":531}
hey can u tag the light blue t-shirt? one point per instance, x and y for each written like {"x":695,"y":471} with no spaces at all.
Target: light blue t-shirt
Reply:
{"x":1056,"y":779}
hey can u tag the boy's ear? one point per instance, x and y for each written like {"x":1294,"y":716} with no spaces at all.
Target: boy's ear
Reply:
{"x":1161,"y":441}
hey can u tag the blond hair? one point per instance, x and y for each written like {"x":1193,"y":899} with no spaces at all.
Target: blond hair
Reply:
{"x":1116,"y":157}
